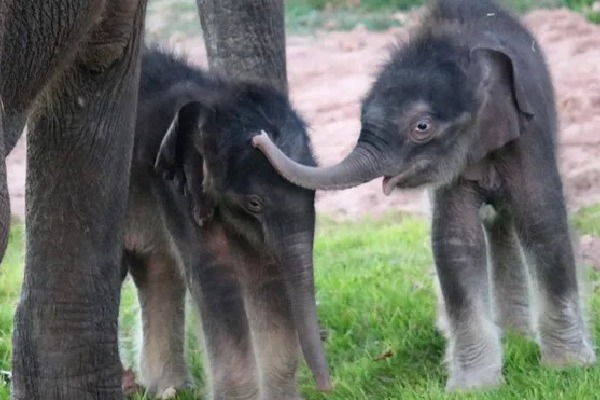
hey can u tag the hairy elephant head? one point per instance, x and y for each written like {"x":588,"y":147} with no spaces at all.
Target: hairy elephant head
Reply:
{"x":437,"y":106}
{"x":206,"y":149}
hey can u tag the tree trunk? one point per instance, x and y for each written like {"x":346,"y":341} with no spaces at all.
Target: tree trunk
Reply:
{"x":246,"y":39}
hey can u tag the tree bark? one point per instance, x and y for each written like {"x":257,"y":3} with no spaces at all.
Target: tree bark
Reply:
{"x":246,"y":39}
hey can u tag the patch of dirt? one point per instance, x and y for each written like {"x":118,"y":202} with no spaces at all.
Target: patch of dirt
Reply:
{"x":589,"y":250}
{"x":330,"y":72}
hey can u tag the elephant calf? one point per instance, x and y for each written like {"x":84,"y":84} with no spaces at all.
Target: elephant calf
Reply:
{"x":207,"y":212}
{"x":466,"y":108}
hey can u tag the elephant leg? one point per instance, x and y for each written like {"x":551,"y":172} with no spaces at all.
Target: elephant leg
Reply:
{"x":4,"y":197}
{"x":161,"y":293}
{"x":65,"y":338}
{"x":473,"y":350}
{"x":35,"y":49}
{"x":39,"y":41}
{"x":216,"y":290}
{"x":509,"y":276}
{"x":274,"y":335}
{"x":542,"y":225}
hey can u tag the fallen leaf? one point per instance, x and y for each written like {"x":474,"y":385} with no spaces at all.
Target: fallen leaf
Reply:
{"x":384,"y":355}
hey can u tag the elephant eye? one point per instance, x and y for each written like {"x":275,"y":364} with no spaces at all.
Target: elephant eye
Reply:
{"x":253,"y":204}
{"x":422,"y":126}
{"x":421,"y":130}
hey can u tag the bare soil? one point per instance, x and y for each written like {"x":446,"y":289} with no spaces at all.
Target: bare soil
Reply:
{"x":329,"y":72}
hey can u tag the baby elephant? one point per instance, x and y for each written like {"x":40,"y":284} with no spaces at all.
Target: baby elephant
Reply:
{"x":207,"y":212}
{"x":466,"y":108}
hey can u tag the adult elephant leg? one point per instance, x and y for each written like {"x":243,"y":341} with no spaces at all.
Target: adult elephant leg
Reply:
{"x":4,"y":197}
{"x":78,"y":156}
{"x":246,"y":38}
{"x":15,"y":125}
{"x":33,"y":48}
{"x":37,"y":41}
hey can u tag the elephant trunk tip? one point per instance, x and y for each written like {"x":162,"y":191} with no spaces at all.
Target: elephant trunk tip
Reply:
{"x":320,"y":371}
{"x":279,"y":160}
{"x":261,"y":141}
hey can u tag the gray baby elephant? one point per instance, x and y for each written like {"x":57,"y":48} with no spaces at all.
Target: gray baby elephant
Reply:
{"x":207,"y":212}
{"x":466,"y":108}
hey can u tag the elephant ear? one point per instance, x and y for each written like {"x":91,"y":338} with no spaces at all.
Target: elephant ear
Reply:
{"x":178,"y":159}
{"x":505,"y":100}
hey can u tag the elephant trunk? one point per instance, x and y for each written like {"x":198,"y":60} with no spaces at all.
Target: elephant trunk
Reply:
{"x":360,"y":166}
{"x":297,"y":262}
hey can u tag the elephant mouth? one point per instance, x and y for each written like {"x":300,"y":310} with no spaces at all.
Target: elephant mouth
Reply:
{"x":415,"y":176}
{"x":389,"y":183}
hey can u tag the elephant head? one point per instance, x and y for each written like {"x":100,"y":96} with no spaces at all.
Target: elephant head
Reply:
{"x":206,"y":150}
{"x":434,"y":108}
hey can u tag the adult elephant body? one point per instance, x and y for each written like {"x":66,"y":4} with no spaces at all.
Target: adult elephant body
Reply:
{"x":72,"y":67}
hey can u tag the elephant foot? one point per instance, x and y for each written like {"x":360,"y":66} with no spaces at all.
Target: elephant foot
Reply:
{"x":273,"y":394}
{"x":568,"y":355}
{"x":475,"y":378}
{"x":231,"y":396}
{"x":474,"y":360}
{"x":166,"y":391}
{"x":163,"y":380}
{"x":562,"y":339}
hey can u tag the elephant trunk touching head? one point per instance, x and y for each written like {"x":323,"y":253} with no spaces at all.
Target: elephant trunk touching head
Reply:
{"x":360,"y":166}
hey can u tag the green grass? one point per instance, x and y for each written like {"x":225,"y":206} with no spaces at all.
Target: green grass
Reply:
{"x":584,"y":7}
{"x":10,"y":284}
{"x":374,"y":295}
{"x":308,"y":15}
{"x":587,"y":220}
{"x":305,"y":17}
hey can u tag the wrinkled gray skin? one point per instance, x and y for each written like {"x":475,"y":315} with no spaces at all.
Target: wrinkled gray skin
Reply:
{"x":466,"y":108}
{"x":226,"y":226}
{"x":72,"y":67}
